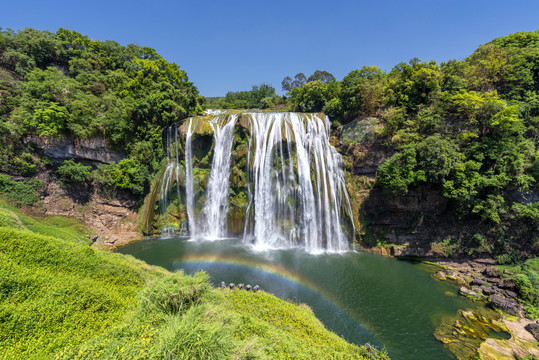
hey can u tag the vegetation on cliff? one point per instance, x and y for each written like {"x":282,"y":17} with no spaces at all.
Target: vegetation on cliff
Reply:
{"x":65,"y":84}
{"x":468,"y":128}
{"x":60,"y":298}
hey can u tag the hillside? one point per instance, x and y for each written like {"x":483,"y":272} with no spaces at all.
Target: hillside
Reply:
{"x":60,"y":298}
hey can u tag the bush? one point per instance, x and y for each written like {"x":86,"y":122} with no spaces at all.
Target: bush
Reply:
{"x":20,"y":193}
{"x":175,"y":294}
{"x":74,"y":172}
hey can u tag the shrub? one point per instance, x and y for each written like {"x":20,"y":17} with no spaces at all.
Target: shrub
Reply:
{"x":20,"y":193}
{"x":175,"y":294}
{"x":74,"y":172}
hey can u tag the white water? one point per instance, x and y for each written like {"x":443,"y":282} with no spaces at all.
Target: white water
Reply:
{"x":189,"y":191}
{"x":316,"y":187}
{"x":216,"y":206}
{"x":295,"y":182}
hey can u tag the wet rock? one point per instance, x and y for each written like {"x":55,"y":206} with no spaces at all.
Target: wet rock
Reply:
{"x":508,"y":305}
{"x":256,"y":288}
{"x":488,"y":290}
{"x":493,"y":280}
{"x":492,"y":271}
{"x":248,"y":287}
{"x":508,"y":272}
{"x":231,"y":286}
{"x":440,"y":275}
{"x":511,"y":294}
{"x":477,"y":281}
{"x":370,"y":348}
{"x":467,"y":292}
{"x":533,"y":328}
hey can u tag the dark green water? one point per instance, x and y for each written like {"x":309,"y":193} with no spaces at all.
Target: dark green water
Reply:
{"x":362,"y":297}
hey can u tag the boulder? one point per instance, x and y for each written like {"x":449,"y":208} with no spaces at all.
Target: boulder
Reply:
{"x":508,"y":284}
{"x":508,"y":305}
{"x":492,"y":271}
{"x":511,"y":294}
{"x":487,"y":290}
{"x":477,"y":281}
{"x":533,"y":328}
{"x":467,"y":292}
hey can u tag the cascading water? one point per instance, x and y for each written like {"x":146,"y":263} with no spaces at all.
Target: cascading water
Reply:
{"x":293,"y":177}
{"x":189,"y":188}
{"x":298,"y":192}
{"x":216,"y":207}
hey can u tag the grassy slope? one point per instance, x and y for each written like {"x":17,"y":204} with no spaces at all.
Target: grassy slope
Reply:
{"x":59,"y":298}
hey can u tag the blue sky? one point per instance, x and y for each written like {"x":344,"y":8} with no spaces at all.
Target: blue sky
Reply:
{"x":232,"y":45}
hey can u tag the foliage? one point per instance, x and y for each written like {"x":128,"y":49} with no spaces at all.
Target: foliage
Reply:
{"x":300,"y":79}
{"x":259,"y":97}
{"x":313,"y":96}
{"x":397,"y":173}
{"x":20,"y":193}
{"x":65,"y":84}
{"x":74,"y":172}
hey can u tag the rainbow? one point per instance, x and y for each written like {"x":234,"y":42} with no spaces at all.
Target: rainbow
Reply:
{"x":275,"y":270}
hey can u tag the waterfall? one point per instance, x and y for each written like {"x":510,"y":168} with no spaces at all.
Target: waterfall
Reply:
{"x":298,"y":190}
{"x":294,"y":180}
{"x":216,"y":206}
{"x":189,"y":190}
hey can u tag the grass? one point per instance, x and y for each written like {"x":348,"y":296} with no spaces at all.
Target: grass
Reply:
{"x":60,"y":298}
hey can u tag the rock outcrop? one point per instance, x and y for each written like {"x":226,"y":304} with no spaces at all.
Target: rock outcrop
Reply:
{"x":94,"y":149}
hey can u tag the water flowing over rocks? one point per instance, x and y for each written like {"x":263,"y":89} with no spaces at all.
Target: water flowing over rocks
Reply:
{"x":287,"y":179}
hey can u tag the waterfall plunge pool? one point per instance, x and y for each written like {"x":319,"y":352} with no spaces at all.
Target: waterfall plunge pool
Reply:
{"x":362,"y":297}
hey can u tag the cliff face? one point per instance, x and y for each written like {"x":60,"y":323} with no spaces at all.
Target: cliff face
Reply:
{"x":423,"y":222}
{"x":94,"y":149}
{"x":113,"y":220}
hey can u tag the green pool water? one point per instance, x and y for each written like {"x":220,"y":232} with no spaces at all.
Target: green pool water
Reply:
{"x":362,"y":297}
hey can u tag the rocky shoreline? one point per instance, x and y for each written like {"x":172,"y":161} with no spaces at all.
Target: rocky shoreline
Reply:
{"x":480,"y":280}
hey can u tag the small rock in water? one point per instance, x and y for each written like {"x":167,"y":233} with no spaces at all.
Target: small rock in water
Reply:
{"x":248,"y":287}
{"x":256,"y":288}
{"x":467,"y":292}
{"x":240,"y":286}
{"x":231,"y":286}
{"x":440,"y":275}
